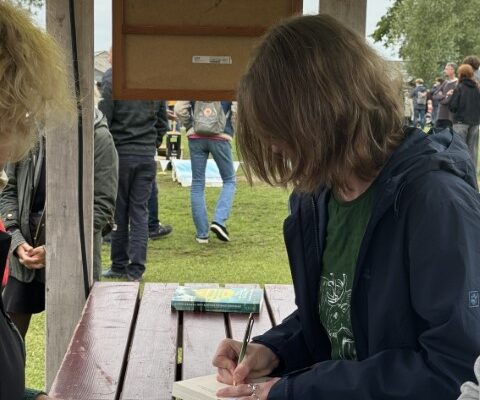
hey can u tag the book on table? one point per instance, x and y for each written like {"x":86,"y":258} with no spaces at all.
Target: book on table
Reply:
{"x":201,"y":388}
{"x":234,"y":299}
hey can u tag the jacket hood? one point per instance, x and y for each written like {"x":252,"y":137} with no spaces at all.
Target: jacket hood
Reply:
{"x":420,"y":153}
{"x":468,"y":82}
{"x":100,"y":120}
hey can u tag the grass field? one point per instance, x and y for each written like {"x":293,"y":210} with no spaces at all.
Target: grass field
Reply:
{"x":255,"y":253}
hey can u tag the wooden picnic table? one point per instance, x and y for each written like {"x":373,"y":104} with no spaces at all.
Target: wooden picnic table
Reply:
{"x":130,"y":345}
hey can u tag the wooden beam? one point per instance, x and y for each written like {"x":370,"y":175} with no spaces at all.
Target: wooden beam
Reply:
{"x":353,"y":13}
{"x":65,"y":295}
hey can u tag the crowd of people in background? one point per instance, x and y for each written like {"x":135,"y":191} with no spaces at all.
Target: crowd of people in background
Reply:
{"x":451,"y":102}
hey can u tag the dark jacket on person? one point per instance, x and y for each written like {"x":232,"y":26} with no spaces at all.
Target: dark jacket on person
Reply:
{"x":465,"y":103}
{"x":12,"y":352}
{"x":414,"y":96}
{"x":137,"y":126}
{"x":440,"y":95}
{"x":23,"y":181}
{"x":414,"y":308}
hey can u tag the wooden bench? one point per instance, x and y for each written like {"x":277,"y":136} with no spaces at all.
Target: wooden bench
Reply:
{"x":128,"y":346}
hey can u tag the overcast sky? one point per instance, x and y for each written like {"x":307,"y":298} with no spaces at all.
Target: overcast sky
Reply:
{"x":103,"y":21}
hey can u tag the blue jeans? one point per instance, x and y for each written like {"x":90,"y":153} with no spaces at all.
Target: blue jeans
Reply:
{"x":153,"y":220}
{"x":221,"y":151}
{"x":130,"y":237}
{"x":419,"y":116}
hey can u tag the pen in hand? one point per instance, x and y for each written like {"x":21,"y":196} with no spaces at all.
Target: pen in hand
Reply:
{"x":246,"y":339}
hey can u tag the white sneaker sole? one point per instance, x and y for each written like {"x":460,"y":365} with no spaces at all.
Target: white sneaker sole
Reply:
{"x":220,"y":233}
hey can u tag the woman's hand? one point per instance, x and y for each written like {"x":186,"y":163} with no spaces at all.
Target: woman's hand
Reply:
{"x":32,"y":258}
{"x":255,"y":391}
{"x":259,"y":361}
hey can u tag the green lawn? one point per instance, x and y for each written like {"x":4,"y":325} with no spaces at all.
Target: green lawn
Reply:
{"x":255,"y":253}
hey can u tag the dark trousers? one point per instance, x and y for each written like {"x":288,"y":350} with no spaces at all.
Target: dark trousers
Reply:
{"x":443,"y":123}
{"x":129,"y":238}
{"x":153,"y":220}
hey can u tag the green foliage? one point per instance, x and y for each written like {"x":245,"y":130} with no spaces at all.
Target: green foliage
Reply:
{"x":30,"y":5}
{"x":430,"y":33}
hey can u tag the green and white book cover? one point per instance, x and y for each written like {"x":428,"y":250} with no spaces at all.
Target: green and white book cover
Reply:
{"x":234,"y":299}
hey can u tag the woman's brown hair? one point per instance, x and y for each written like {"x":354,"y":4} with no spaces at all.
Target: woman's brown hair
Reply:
{"x":465,"y":71}
{"x":316,"y":91}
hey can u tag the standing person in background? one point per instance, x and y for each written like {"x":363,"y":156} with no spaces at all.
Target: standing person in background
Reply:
{"x":465,"y":105}
{"x":474,"y":62}
{"x":156,"y":229}
{"x":33,"y":86}
{"x":136,"y":127}
{"x":419,"y":96}
{"x":22,"y":205}
{"x":435,"y":102}
{"x":443,"y":94}
{"x":382,"y":232}
{"x":209,"y":131}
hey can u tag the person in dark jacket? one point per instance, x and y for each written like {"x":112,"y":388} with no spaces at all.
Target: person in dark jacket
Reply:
{"x":136,"y":126}
{"x":419,"y":96}
{"x":382,"y":236}
{"x":443,"y":96}
{"x":33,"y":79}
{"x":22,"y":206}
{"x":465,"y":105}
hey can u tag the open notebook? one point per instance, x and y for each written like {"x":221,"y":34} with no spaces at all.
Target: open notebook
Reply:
{"x":201,"y":388}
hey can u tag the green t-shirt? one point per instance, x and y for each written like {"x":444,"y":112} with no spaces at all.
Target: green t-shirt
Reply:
{"x":346,"y":226}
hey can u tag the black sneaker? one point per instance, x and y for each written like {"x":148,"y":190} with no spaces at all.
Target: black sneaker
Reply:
{"x":109,"y":273}
{"x":135,"y":278}
{"x":161,"y":231}
{"x":220,"y":231}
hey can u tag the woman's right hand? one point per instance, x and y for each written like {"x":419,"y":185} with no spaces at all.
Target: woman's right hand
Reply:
{"x":259,"y":361}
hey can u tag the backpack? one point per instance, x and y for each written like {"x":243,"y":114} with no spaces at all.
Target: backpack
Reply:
{"x":209,"y":118}
{"x":422,"y":98}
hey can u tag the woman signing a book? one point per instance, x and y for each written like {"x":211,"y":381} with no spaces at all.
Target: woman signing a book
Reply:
{"x":382,"y":235}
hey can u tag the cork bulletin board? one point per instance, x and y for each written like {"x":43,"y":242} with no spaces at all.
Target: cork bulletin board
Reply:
{"x":188,"y":49}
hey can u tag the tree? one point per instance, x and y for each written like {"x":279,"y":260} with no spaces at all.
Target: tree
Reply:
{"x":430,"y":33}
{"x":30,"y":5}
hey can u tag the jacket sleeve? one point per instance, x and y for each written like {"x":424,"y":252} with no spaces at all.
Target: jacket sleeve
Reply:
{"x":9,"y":207}
{"x":162,"y":123}
{"x":287,"y":343}
{"x":439,"y":94}
{"x":105,"y":179}
{"x":443,"y":259}
{"x":455,"y":100}
{"x":106,"y":104}
{"x":183,"y":111}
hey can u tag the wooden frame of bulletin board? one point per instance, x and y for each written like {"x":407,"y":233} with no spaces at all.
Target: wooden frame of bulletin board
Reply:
{"x":188,"y":49}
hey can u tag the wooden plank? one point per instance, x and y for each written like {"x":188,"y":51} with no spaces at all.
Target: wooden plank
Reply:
{"x":153,"y":94}
{"x":281,"y":301}
{"x":202,"y":332}
{"x":93,"y":365}
{"x":353,"y":13}
{"x":238,"y":322}
{"x":191,"y":30}
{"x":65,"y":294}
{"x":153,"y":356}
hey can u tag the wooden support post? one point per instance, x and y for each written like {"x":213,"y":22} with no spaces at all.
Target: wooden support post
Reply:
{"x":353,"y":13}
{"x":65,"y":295}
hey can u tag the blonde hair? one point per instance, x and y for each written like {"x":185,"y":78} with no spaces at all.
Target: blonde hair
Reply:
{"x":33,"y":82}
{"x":318,"y":92}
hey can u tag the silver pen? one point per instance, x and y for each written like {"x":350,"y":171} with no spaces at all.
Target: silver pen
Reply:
{"x":246,"y":339}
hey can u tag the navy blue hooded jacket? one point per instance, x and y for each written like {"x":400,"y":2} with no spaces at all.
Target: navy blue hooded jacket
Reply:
{"x":414,"y":309}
